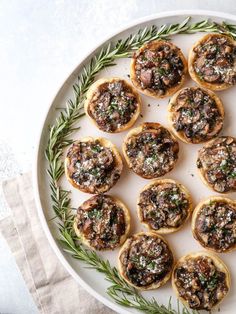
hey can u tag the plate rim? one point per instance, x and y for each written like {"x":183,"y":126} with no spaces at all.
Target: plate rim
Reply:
{"x":35,"y":180}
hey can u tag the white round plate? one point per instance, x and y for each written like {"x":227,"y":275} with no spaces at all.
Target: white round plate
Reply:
{"x":129,"y":185}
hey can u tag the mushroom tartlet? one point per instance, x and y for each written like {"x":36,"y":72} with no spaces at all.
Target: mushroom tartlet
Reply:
{"x":196,"y":115}
{"x":150,"y":150}
{"x":158,"y":69}
{"x":102,"y":222}
{"x":212,"y":62}
{"x":164,"y":205}
{"x":201,"y":280}
{"x":217,"y":164}
{"x":214,"y":224}
{"x":113,"y":105}
{"x":93,"y":165}
{"x":146,"y":261}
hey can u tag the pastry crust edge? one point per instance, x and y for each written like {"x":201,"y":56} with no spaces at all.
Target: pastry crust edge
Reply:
{"x":165,"y":230}
{"x":118,"y":160}
{"x":170,"y":91}
{"x":194,"y":218}
{"x":180,"y":134}
{"x":126,"y":211}
{"x":217,"y":261}
{"x":201,"y":171}
{"x":151,"y":126}
{"x":192,"y":57}
{"x":93,"y":89}
{"x":152,"y":286}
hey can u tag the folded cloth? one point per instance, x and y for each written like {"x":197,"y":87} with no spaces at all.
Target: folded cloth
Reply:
{"x":51,"y":286}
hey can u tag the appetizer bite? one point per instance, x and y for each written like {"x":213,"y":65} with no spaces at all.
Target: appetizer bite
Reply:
{"x":217,"y":164}
{"x":195,"y":115}
{"x":200,"y":280}
{"x":112,"y":104}
{"x":214,"y":224}
{"x":146,"y":261}
{"x":164,"y":206}
{"x":212,"y":61}
{"x":102,"y":222}
{"x":158,"y":69}
{"x":150,"y":150}
{"x":93,"y":165}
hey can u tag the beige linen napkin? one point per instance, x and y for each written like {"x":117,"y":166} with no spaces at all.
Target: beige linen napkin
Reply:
{"x":51,"y":286}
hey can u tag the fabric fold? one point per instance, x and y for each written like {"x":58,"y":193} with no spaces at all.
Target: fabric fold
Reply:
{"x":51,"y":286}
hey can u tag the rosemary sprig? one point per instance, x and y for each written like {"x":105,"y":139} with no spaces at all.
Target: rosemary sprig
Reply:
{"x":59,"y":139}
{"x":120,"y":291}
{"x":227,"y":29}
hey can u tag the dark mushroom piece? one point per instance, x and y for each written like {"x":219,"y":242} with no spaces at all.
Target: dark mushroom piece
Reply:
{"x":201,"y":281}
{"x":102,"y":222}
{"x":212,"y":62}
{"x":164,"y":205}
{"x":112,"y":104}
{"x":195,"y":115}
{"x":158,"y":69}
{"x":217,"y":164}
{"x":150,"y":150}
{"x":146,"y":261}
{"x":93,"y":165}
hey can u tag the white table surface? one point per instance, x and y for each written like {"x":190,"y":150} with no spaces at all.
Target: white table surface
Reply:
{"x":40,"y":44}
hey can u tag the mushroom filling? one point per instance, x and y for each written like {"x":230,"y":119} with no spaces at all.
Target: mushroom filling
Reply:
{"x":163,"y":206}
{"x":200,"y":283}
{"x":113,"y":106}
{"x":159,"y":69}
{"x":92,"y":165}
{"x":215,"y":225}
{"x":101,"y":222}
{"x":196,"y":115}
{"x":146,"y":261}
{"x":215,"y":60}
{"x":218,"y":163}
{"x":152,"y":153}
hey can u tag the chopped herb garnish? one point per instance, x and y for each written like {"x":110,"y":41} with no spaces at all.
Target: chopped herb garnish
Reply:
{"x":200,"y":74}
{"x":224,"y":166}
{"x":232,"y":175}
{"x":95,"y":172}
{"x":162,"y":71}
{"x":113,"y":106}
{"x":154,"y":157}
{"x":113,"y":240}
{"x":212,"y":283}
{"x":95,"y":213}
{"x":202,"y":278}
{"x":190,"y":112}
{"x":96,"y":148}
{"x":151,"y":265}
